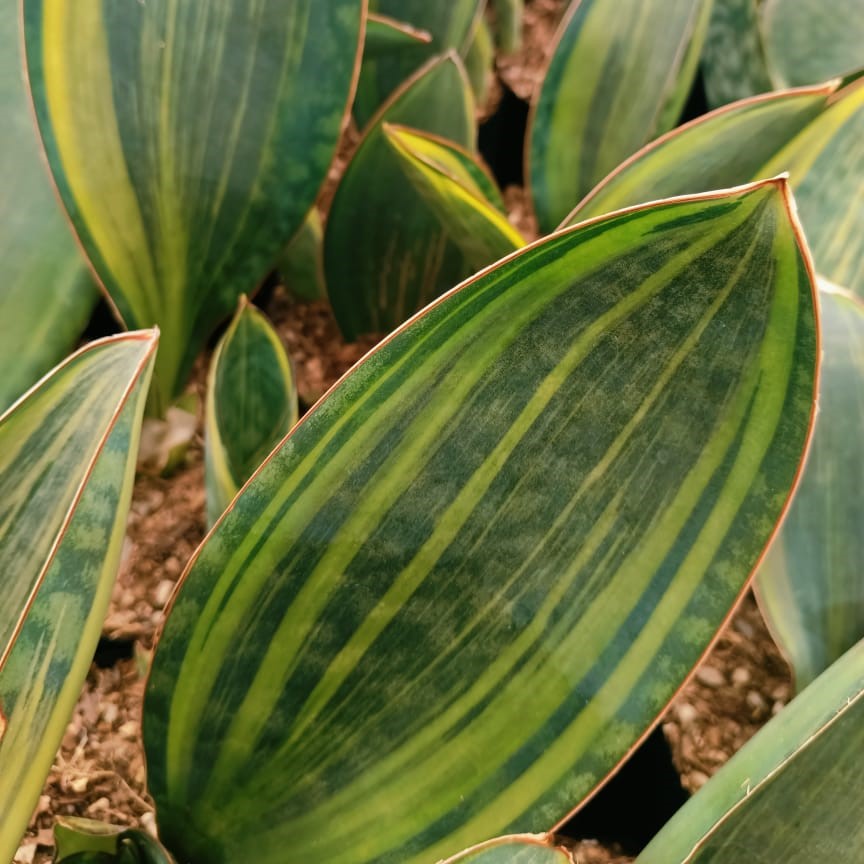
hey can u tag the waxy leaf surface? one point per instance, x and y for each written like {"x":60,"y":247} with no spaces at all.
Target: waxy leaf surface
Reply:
{"x":478,"y":569}
{"x":385,"y":254}
{"x":188,"y":142}
{"x":251,"y":404}
{"x":811,"y":584}
{"x":47,"y":294}
{"x":515,"y":849}
{"x":618,"y":77}
{"x":792,"y":794}
{"x":453,"y":184}
{"x":67,"y":463}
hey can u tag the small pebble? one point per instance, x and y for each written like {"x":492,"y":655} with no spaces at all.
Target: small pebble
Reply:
{"x":741,"y":676}
{"x":744,"y":627}
{"x":686,"y":713}
{"x":162,"y":593}
{"x":756,"y":701}
{"x":148,"y":823}
{"x":697,"y":779}
{"x":710,"y":676}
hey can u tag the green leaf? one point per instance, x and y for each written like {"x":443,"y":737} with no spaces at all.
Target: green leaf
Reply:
{"x":251,"y":404}
{"x":806,"y":41}
{"x":83,"y":841}
{"x":508,"y":23}
{"x":811,"y":585}
{"x":793,"y":794}
{"x":619,"y":76}
{"x":475,"y":573}
{"x":724,"y":148}
{"x":300,"y":264}
{"x":516,"y":849}
{"x":733,"y":57}
{"x":188,"y":142}
{"x":47,"y":295}
{"x":449,"y":179}
{"x":479,"y":62}
{"x":67,"y":463}
{"x":449,"y":25}
{"x":385,"y":255}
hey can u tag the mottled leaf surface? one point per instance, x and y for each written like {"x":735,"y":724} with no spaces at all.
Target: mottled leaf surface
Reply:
{"x":188,"y":142}
{"x":792,"y":794}
{"x":385,"y":254}
{"x":67,"y":464}
{"x":475,"y":573}
{"x":811,"y":585}
{"x":619,"y":76}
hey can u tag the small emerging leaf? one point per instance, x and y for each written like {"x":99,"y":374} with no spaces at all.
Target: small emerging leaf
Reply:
{"x":479,"y":60}
{"x":300,"y":265}
{"x":508,"y":23}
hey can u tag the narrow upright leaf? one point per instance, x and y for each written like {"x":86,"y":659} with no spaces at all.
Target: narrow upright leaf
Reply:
{"x":300,"y":264}
{"x":188,"y":141}
{"x":449,"y":179}
{"x":67,"y":463}
{"x":251,"y":404}
{"x":508,"y":23}
{"x":47,"y":294}
{"x":793,"y":794}
{"x":808,"y":41}
{"x":385,"y":255}
{"x":618,"y":77}
{"x":811,"y":585}
{"x":475,"y":573}
{"x":516,"y":849}
{"x":479,"y":60}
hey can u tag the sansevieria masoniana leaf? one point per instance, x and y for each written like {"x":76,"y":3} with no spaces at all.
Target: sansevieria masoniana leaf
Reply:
{"x":47,"y":295}
{"x":515,"y":849}
{"x":251,"y":404}
{"x":619,"y":76}
{"x":811,"y":584}
{"x":67,"y":462}
{"x":476,"y":571}
{"x":454,"y":184}
{"x":188,"y":141}
{"x":792,"y":794}
{"x":385,"y":254}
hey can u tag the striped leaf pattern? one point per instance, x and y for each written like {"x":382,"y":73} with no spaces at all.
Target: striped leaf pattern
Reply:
{"x":728,"y":146}
{"x":47,"y":295}
{"x":385,"y":255}
{"x":67,"y":463}
{"x":516,"y":849}
{"x":477,"y":570}
{"x":449,"y":180}
{"x":449,"y":25}
{"x":587,"y":117}
{"x":188,"y":141}
{"x":806,"y":41}
{"x":811,"y":584}
{"x":825,"y":160}
{"x":251,"y":404}
{"x":792,"y":794}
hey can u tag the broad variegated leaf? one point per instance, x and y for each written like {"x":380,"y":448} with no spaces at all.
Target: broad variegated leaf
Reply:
{"x":449,"y":179}
{"x":619,"y":76}
{"x":515,"y":849}
{"x":67,"y":463}
{"x":728,"y":146}
{"x":806,"y":41}
{"x":47,"y":294}
{"x":477,"y":570}
{"x":188,"y":141}
{"x":792,"y":794}
{"x":385,"y":255}
{"x":251,"y":404}
{"x":811,"y":584}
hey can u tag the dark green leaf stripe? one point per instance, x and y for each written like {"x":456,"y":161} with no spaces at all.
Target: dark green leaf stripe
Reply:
{"x":188,"y":141}
{"x":733,"y":57}
{"x":448,"y":24}
{"x":473,"y":575}
{"x":794,"y":792}
{"x":515,"y":849}
{"x":811,"y":585}
{"x":619,"y":76}
{"x":251,"y":404}
{"x":728,"y":146}
{"x":47,"y":295}
{"x":445,"y":178}
{"x":67,"y":463}
{"x":806,"y":41}
{"x":385,"y":253}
